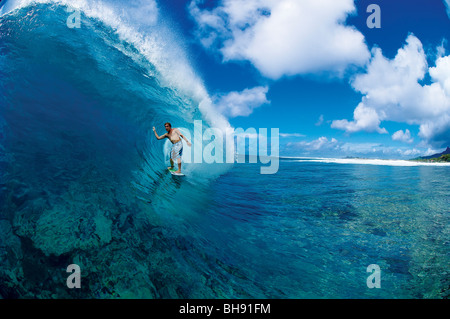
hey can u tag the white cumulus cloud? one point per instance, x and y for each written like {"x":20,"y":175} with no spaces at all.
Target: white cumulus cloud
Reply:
{"x":393,"y":91}
{"x":291,"y":135}
{"x":322,"y":143}
{"x":241,"y":103}
{"x":334,"y":148}
{"x":283,"y":37}
{"x":365,"y":119}
{"x":403,"y":136}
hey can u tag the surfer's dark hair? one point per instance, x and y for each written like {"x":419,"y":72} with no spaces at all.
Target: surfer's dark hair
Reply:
{"x":167,"y":123}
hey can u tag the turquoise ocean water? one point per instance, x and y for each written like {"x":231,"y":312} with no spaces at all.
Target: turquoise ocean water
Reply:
{"x":83,"y":180}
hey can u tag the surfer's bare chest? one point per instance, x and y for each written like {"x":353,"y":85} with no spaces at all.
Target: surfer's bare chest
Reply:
{"x":173,"y":136}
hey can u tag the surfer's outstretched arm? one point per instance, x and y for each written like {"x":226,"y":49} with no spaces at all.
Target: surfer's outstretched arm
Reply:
{"x":157,"y":136}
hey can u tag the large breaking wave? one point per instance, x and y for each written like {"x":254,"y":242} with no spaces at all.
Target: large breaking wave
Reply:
{"x":80,"y":167}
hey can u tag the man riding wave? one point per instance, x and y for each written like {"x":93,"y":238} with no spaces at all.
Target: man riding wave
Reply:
{"x":175,"y":136}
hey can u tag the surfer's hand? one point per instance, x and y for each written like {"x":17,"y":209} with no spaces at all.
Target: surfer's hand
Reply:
{"x":189,"y":144}
{"x":153,"y":128}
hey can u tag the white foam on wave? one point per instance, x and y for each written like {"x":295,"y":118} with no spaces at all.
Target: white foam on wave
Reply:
{"x":383,"y":162}
{"x":139,"y":23}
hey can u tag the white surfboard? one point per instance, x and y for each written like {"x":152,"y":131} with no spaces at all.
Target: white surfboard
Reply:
{"x":175,"y":174}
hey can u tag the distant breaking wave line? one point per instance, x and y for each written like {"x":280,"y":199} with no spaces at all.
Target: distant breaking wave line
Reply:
{"x":368,"y":161}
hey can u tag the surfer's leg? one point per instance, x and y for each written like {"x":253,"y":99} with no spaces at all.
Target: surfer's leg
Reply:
{"x":179,"y":165}
{"x":178,"y":152}
{"x":171,"y":164}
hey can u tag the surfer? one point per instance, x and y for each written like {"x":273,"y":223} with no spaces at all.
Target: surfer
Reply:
{"x":175,"y":136}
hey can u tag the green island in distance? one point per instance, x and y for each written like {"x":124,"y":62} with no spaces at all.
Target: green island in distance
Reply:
{"x":436,"y":158}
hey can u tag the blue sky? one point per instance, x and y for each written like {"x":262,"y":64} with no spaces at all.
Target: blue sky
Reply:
{"x":315,"y":70}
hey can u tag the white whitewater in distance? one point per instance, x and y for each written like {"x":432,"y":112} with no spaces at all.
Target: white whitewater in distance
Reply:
{"x":384,"y":162}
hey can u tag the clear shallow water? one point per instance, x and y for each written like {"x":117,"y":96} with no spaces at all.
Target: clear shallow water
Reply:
{"x":309,"y":231}
{"x":312,"y":229}
{"x":82,"y":181}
